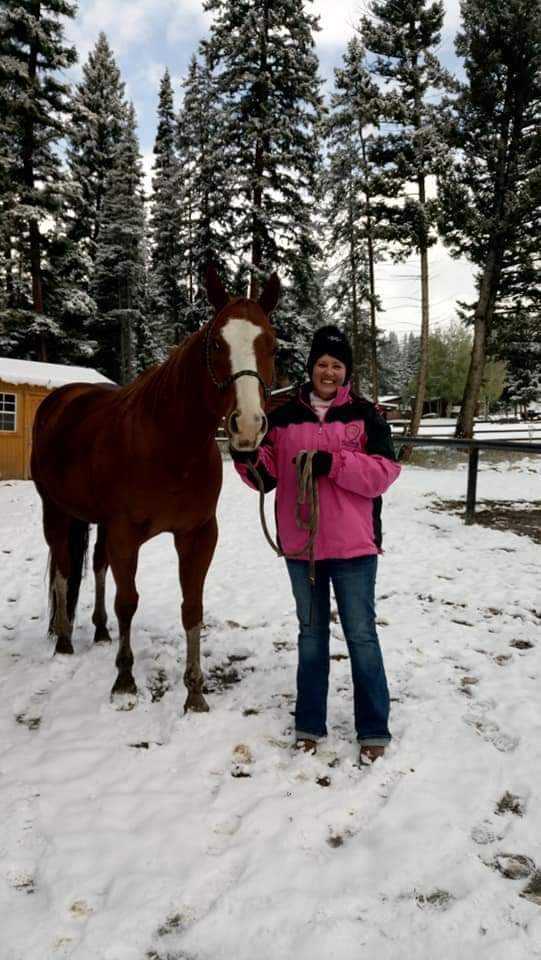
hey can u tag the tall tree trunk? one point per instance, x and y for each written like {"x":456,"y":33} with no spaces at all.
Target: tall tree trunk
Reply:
{"x":355,"y":319}
{"x":422,"y":373}
{"x":9,"y":284}
{"x":484,"y":311}
{"x":261,"y":149}
{"x":28,"y":173}
{"x":505,"y":185}
{"x":371,"y":280}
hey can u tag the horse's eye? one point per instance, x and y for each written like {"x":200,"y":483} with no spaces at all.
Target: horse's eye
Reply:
{"x":217,"y":344}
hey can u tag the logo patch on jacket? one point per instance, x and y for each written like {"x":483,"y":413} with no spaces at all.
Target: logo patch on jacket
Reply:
{"x":352,"y":435}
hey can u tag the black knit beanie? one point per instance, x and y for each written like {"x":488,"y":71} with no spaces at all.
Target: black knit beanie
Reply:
{"x":330,"y":340}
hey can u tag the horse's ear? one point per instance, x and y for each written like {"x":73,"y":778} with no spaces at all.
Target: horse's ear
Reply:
{"x":271,"y":294}
{"x":215,"y":289}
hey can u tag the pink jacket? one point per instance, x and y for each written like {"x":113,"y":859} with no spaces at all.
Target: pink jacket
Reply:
{"x":363,"y":467}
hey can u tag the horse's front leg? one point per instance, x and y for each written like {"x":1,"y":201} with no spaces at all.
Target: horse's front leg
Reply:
{"x":195,"y":551}
{"x":100,"y":564}
{"x":122,"y":551}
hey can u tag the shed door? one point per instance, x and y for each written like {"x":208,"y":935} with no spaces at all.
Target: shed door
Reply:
{"x":32,"y":402}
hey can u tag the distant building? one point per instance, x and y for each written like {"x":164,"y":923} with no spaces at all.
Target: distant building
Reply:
{"x":23,"y":385}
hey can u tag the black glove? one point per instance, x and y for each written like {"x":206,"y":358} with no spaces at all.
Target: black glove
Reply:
{"x":243,"y":456}
{"x":321,"y":462}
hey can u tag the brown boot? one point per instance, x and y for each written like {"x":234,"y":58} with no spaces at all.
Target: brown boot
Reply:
{"x":308,"y":746}
{"x":369,"y":754}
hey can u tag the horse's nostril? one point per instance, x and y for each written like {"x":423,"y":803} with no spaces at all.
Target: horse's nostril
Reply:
{"x":264,"y":424}
{"x":234,"y":422}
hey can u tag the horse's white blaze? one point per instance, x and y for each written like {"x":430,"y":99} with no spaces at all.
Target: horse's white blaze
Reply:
{"x":240,"y":335}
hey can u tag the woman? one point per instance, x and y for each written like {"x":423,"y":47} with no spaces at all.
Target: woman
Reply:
{"x":354,"y":461}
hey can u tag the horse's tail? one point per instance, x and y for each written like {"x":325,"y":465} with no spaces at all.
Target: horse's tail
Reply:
{"x":78,"y":550}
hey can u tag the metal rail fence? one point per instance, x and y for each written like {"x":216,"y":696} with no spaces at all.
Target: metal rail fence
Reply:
{"x":473,"y":446}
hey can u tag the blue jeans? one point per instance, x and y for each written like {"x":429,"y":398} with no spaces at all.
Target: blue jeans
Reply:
{"x":354,"y":583}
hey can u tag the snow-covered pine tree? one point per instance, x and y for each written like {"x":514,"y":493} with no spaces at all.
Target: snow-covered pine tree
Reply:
{"x":98,"y":115}
{"x":10,"y":235}
{"x":206,"y":189}
{"x":119,"y":272}
{"x":491,"y":193}
{"x":33,"y":102}
{"x":390,"y":364}
{"x":411,"y":349}
{"x":165,"y":295}
{"x":404,"y":37}
{"x":354,"y":233}
{"x":518,"y":344}
{"x":262,"y":55}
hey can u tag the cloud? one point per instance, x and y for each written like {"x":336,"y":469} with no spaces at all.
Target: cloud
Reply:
{"x":130,"y":24}
{"x":338,"y":20}
{"x":452,"y":19}
{"x":399,"y":288}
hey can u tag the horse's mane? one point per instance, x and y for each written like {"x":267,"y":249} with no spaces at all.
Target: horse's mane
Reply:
{"x":160,"y":382}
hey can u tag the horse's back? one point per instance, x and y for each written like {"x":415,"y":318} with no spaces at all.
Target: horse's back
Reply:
{"x":66,"y":408}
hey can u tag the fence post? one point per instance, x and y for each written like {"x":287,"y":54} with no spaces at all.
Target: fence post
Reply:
{"x":473,"y":462}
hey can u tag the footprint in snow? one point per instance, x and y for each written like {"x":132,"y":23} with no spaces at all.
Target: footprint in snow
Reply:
{"x":24,"y":847}
{"x":513,"y":866}
{"x":510,"y":803}
{"x":489,"y":729}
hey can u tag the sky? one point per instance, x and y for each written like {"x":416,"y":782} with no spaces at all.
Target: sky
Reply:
{"x":149,"y":35}
{"x":152,"y":835}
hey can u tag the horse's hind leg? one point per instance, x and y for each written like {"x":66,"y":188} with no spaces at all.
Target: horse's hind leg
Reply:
{"x":100,"y":564}
{"x":68,"y":540}
{"x":122,"y":554}
{"x":195,"y":552}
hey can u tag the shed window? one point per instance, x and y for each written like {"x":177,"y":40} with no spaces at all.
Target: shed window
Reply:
{"x":8,"y":412}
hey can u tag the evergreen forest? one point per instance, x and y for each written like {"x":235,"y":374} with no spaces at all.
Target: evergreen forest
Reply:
{"x":260,"y":166}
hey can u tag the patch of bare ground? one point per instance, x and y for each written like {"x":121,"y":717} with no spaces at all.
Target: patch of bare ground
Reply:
{"x":519,"y":516}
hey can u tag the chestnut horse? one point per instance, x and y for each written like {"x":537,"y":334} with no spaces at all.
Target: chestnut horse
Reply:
{"x":141,"y":460}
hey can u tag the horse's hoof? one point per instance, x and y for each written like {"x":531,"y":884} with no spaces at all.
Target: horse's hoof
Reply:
{"x":63,"y":645}
{"x":102,"y":635}
{"x":124,"y":684}
{"x":196,"y":702}
{"x":125,"y":700}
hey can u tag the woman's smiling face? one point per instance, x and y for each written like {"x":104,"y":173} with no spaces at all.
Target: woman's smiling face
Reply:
{"x":327,"y":375}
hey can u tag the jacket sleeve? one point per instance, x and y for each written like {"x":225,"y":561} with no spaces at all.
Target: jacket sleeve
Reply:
{"x":371,"y":472}
{"x":265,"y":465}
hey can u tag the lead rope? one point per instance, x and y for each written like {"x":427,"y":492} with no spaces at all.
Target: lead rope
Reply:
{"x":307,"y":490}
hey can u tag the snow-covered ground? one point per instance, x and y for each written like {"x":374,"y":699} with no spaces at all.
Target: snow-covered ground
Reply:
{"x":130,"y":835}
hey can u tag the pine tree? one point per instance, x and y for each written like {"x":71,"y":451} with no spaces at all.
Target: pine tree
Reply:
{"x":390,"y":364}
{"x":404,"y":37}
{"x":262,"y":54}
{"x":98,"y":116}
{"x":519,"y":345}
{"x":206,"y":189}
{"x":33,"y":101}
{"x":119,"y":278}
{"x":165,"y":296}
{"x":351,"y":208}
{"x":491,"y":193}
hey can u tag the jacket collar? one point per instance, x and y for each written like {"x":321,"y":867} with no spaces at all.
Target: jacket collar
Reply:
{"x":342,"y":396}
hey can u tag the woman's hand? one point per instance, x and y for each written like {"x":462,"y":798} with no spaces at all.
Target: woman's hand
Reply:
{"x":321,"y":462}
{"x":243,"y":456}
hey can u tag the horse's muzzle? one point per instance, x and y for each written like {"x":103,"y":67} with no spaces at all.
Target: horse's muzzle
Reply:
{"x":246,"y":433}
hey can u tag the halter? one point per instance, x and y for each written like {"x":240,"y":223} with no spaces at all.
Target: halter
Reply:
{"x":223,"y":385}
